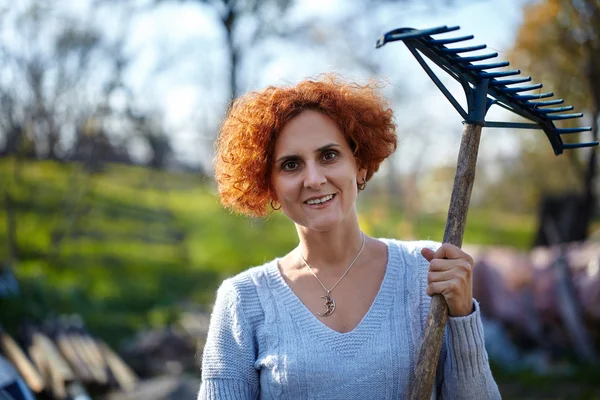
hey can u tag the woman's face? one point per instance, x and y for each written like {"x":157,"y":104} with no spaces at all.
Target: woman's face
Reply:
{"x":314,"y":172}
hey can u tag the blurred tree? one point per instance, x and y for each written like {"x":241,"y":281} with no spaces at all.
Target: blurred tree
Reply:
{"x":558,"y":43}
{"x":60,"y":72}
{"x":43,"y":66}
{"x":151,"y":131}
{"x":247,"y":22}
{"x":244,"y":22}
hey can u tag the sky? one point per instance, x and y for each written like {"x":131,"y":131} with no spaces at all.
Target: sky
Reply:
{"x":179,"y":68}
{"x":188,"y":88}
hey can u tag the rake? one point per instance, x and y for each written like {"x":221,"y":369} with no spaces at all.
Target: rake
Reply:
{"x":483,"y":86}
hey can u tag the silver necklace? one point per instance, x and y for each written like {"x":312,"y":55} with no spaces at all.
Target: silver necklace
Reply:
{"x":329,"y":301}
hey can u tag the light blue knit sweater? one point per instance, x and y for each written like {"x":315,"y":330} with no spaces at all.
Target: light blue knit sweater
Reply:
{"x":264,"y":343}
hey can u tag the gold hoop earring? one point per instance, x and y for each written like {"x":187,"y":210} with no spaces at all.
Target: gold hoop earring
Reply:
{"x":362,"y":186}
{"x":275,"y":208}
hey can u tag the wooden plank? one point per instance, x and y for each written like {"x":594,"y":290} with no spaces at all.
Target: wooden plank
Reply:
{"x":25,"y":367}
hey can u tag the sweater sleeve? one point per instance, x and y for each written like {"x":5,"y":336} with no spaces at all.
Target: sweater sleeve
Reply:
{"x":228,"y":360}
{"x":463,"y":371}
{"x":466,"y":369}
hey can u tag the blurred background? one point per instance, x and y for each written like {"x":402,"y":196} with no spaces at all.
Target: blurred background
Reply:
{"x":112,"y":239}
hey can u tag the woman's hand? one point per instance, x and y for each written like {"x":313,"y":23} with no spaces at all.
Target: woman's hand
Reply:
{"x":450,"y":274}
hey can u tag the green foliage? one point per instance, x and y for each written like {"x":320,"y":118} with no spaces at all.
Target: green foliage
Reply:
{"x":128,"y":248}
{"x":575,"y":381}
{"x":484,"y":226}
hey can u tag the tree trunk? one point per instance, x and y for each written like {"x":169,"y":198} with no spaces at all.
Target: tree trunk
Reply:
{"x":229,"y":22}
{"x":571,"y":215}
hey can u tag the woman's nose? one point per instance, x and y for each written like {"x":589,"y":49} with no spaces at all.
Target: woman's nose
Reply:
{"x":314,"y":177}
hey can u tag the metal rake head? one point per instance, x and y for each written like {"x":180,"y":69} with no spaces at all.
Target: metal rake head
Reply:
{"x":482,"y":85}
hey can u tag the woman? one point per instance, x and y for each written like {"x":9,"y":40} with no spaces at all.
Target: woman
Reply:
{"x":342,"y":315}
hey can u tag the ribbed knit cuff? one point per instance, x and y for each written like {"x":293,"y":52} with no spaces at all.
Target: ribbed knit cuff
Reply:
{"x":226,"y":389}
{"x":466,"y":347}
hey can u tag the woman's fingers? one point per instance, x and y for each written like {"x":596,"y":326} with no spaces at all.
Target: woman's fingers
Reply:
{"x":447,"y":251}
{"x":461,"y":265}
{"x":427,"y":253}
{"x":449,"y":289}
{"x":450,"y":274}
{"x":450,"y":251}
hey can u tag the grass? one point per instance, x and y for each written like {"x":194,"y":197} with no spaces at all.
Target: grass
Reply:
{"x":580,"y":383}
{"x":126,"y":247}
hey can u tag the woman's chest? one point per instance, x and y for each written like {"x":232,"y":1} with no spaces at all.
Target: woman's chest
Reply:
{"x":297,"y":362}
{"x":344,"y":307}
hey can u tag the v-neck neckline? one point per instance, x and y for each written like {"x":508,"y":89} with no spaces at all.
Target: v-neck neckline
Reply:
{"x":311,"y":323}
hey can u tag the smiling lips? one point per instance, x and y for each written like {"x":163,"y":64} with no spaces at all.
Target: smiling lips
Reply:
{"x":319,"y":200}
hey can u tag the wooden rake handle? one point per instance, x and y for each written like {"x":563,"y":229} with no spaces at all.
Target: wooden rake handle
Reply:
{"x":422,"y":386}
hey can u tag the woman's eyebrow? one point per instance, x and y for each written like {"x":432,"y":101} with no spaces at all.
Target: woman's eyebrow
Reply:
{"x":326,"y":147}
{"x":296,"y":157}
{"x":287,"y":158}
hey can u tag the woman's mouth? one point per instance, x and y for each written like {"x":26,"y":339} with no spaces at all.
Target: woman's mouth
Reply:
{"x":320,"y":201}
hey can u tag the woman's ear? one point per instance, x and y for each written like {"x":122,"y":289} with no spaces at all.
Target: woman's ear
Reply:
{"x":361,"y":179}
{"x":274,"y":202}
{"x":274,"y":198}
{"x":361,"y":176}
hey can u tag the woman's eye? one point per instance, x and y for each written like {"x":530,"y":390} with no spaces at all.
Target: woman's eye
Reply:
{"x":289,"y":166}
{"x":329,"y":156}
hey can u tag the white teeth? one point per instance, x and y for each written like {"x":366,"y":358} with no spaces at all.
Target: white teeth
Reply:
{"x":321,"y":200}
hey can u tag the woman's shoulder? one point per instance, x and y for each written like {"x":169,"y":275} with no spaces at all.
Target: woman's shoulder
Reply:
{"x":409,"y":247}
{"x":246,"y":291}
{"x":249,"y":282}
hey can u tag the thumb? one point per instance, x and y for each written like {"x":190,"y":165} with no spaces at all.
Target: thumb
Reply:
{"x":427,"y":253}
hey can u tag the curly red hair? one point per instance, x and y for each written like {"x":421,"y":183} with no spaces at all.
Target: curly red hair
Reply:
{"x":246,"y":142}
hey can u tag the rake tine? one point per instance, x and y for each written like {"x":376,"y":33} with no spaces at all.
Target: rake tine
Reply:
{"x":463,"y":49}
{"x":439,"y":30}
{"x":533,"y":96}
{"x":476,"y":58}
{"x":480,"y":67}
{"x":404,"y":34}
{"x":451,"y":40}
{"x":564,"y":116}
{"x":569,"y":146}
{"x":554,"y":109}
{"x":451,"y":28}
{"x":523,"y":88}
{"x":431,"y":31}
{"x":566,"y":131}
{"x":544,"y":103}
{"x":489,"y":75}
{"x":505,"y":82}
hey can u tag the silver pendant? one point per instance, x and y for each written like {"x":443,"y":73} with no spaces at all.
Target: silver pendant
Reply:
{"x":329,"y":306}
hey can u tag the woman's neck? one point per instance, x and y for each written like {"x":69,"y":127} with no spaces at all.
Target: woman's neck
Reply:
{"x":331,"y":250}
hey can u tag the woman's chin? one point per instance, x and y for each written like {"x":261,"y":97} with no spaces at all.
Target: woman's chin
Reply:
{"x":322,"y":224}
